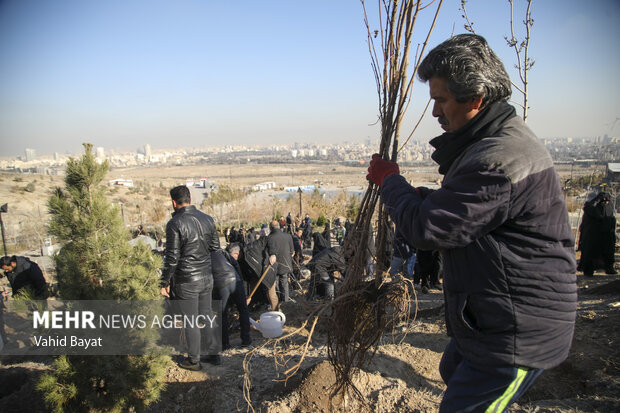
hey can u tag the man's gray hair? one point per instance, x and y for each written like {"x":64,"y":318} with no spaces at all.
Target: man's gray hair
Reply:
{"x":470,"y":68}
{"x":234,"y":247}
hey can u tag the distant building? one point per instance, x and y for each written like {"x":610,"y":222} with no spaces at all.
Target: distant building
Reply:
{"x":613,"y":172}
{"x":121,"y":182}
{"x":263,"y":186}
{"x":304,"y":188}
{"x":147,"y":151}
{"x":204,"y":183}
{"x":100,"y":153}
{"x":31,"y":154}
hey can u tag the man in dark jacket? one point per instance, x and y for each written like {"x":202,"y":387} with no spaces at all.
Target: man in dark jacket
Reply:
{"x":280,"y":249}
{"x":190,"y":237}
{"x":501,"y":223}
{"x":227,"y":283}
{"x":251,"y":236}
{"x":307,"y":234}
{"x":322,"y":267}
{"x":298,"y":256}
{"x":21,"y":273}
{"x":298,"y":245}
{"x":255,"y":266}
{"x":289,"y":223}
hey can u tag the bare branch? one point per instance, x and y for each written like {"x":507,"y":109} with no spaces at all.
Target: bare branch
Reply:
{"x":521,"y":48}
{"x":469,"y":25}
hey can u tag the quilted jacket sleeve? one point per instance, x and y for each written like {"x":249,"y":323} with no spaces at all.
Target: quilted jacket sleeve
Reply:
{"x":465,"y":208}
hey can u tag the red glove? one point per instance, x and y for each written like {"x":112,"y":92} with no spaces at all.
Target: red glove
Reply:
{"x":380,"y":168}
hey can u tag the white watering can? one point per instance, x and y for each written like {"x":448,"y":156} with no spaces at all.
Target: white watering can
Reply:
{"x":270,"y":324}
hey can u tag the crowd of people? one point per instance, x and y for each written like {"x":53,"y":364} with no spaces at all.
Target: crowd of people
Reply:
{"x":255,"y":268}
{"x":290,"y":225}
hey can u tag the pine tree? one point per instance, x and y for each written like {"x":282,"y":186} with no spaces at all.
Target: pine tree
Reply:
{"x":97,"y":263}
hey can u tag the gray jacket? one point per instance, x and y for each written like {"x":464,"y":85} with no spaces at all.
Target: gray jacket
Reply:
{"x":501,"y":223}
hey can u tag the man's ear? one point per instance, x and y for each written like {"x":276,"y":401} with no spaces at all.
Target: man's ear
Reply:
{"x":174,"y":204}
{"x":476,"y":103}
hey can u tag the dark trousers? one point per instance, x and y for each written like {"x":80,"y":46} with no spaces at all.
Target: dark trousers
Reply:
{"x":476,"y":387}
{"x":283,"y":290}
{"x":236,"y":292}
{"x":194,"y":298}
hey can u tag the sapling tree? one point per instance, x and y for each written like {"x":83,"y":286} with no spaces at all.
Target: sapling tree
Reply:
{"x":96,"y":262}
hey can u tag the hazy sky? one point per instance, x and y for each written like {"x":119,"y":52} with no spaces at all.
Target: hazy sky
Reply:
{"x":122,"y":73}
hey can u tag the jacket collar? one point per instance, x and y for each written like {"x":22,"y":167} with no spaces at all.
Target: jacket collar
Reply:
{"x":486,"y":123}
{"x":184,"y":209}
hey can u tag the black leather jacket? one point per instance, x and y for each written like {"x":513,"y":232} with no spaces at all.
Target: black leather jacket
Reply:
{"x":224,"y":269}
{"x":190,"y":237}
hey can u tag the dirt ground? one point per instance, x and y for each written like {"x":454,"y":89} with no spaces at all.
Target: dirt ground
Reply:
{"x":402,"y":377}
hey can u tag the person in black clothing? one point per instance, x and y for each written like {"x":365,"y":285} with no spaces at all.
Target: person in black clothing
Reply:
{"x":21,"y":273}
{"x":227,"y":283}
{"x":318,"y":243}
{"x":348,"y":225}
{"x":280,"y":249}
{"x":190,"y":237}
{"x":307,"y":234}
{"x":251,"y":236}
{"x":289,"y":223}
{"x":428,"y":269}
{"x":241,"y":236}
{"x":327,"y":234}
{"x":598,"y":235}
{"x":254,"y":262}
{"x":298,"y":258}
{"x":233,"y":235}
{"x":298,"y":244}
{"x":322,"y":267}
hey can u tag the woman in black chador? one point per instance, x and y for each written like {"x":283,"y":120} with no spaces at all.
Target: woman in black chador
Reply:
{"x":598,"y":235}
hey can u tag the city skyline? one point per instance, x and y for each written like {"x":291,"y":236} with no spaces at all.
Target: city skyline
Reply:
{"x":198,"y":74}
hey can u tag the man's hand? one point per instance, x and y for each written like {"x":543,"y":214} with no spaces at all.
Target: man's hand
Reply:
{"x":272,"y":259}
{"x":380,"y":168}
{"x":165,"y":291}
